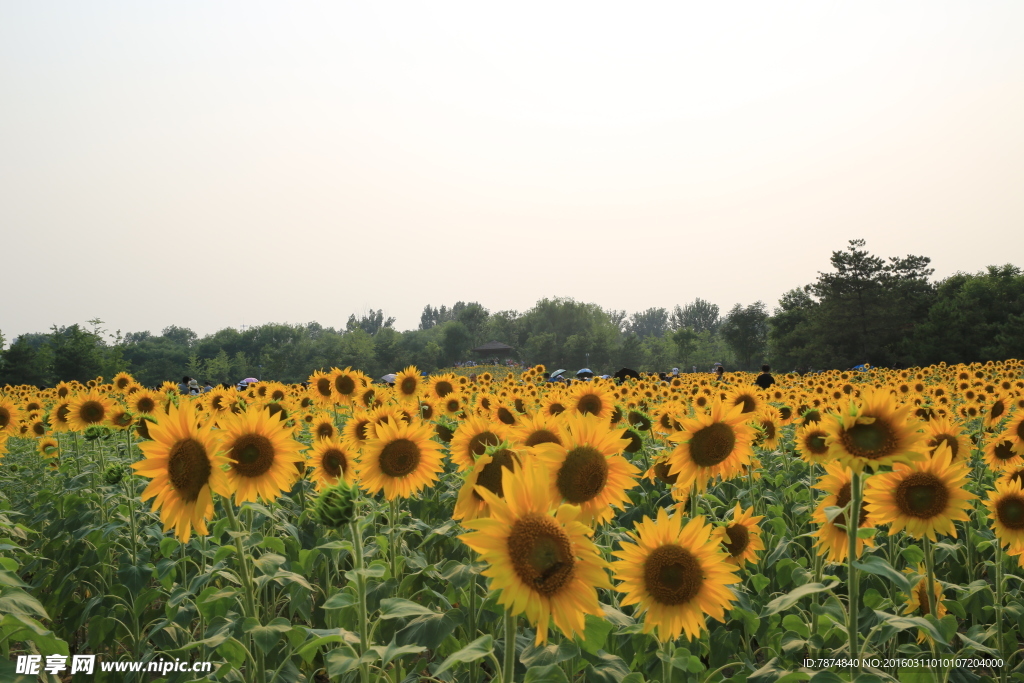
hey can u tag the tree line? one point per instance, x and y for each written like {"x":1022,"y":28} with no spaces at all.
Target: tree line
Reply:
{"x":883,"y":311}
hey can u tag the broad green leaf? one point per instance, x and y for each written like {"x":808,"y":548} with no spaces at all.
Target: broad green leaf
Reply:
{"x":429,"y":630}
{"x":393,"y":650}
{"x":340,"y":601}
{"x":481,"y":647}
{"x":595,"y":634}
{"x":340,"y":662}
{"x":902,"y":623}
{"x":551,"y":673}
{"x":873,"y":564}
{"x":792,"y":597}
{"x":398,"y":608}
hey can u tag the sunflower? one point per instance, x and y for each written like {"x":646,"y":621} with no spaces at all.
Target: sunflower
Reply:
{"x":587,"y":469}
{"x":486,"y":472}
{"x":473,"y":437}
{"x":1002,"y":454}
{"x":715,"y":443}
{"x":407,"y":384}
{"x":676,"y":575}
{"x":505,"y":413}
{"x":769,"y":425}
{"x":221,"y":401}
{"x":833,"y":542}
{"x":940,"y":429}
{"x":332,"y":461}
{"x":917,"y":600}
{"x":924,"y":497}
{"x":451,"y":405}
{"x":322,"y":426}
{"x":810,"y":443}
{"x":184,"y":462}
{"x":741,"y":538}
{"x":321,"y":389}
{"x":873,"y":431}
{"x":401,"y":460}
{"x":88,"y":409}
{"x":590,"y":398}
{"x":441,"y":385}
{"x":748,"y":398}
{"x":10,"y":416}
{"x":1006,"y":514}
{"x":535,"y":429}
{"x":48,"y":447}
{"x":997,"y":409}
{"x":544,"y":564}
{"x":358,"y":429}
{"x":553,"y":403}
{"x":346,"y":384}
{"x":1014,"y":429}
{"x":261,"y":455}
{"x":144,"y":402}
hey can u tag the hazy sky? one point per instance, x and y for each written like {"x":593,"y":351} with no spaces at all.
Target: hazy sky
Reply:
{"x":212,"y":164}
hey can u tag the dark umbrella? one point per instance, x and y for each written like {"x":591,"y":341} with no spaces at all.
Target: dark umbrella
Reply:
{"x":625,"y":373}
{"x":585,"y":372}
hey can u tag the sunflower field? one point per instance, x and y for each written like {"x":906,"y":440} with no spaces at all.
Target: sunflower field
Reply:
{"x":842,"y":526}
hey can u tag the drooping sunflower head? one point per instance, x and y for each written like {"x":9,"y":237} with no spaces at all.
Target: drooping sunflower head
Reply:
{"x":542,"y":561}
{"x":874,"y":431}
{"x":678,"y":575}
{"x":917,"y":600}
{"x":832,"y":536}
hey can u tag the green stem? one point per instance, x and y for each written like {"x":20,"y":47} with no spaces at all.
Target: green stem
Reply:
{"x":249,"y":602}
{"x":929,"y":568}
{"x":357,"y":561}
{"x":853,"y":607}
{"x":393,"y":542}
{"x":472,"y":622}
{"x":999,"y":607}
{"x":668,"y":651}
{"x":510,"y":648}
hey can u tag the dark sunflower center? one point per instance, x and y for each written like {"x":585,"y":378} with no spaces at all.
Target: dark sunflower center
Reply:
{"x":636,"y":442}
{"x":739,"y":539}
{"x":786,"y":412}
{"x":344,"y":385}
{"x":444,"y":433}
{"x":997,"y":410}
{"x":323,"y":387}
{"x":590,"y":404}
{"x":639,"y":420}
{"x":5,"y":417}
{"x":399,"y":458}
{"x":748,"y":402}
{"x":662,"y":471}
{"x":769,"y":429}
{"x":922,"y":495}
{"x":479,"y":443}
{"x":361,"y":429}
{"x":922,"y":598}
{"x":712,"y":444}
{"x":815,"y":442}
{"x":811,"y":416}
{"x":334,"y":462}
{"x":452,"y":406}
{"x":542,"y":436}
{"x":934,"y":444}
{"x":324,"y":430}
{"x":842,"y":500}
{"x":672,"y":575}
{"x":505,"y":415}
{"x":147,"y":405}
{"x":490,"y":474}
{"x":443,"y":388}
{"x":91,"y":412}
{"x":541,"y":554}
{"x":408,"y":386}
{"x":1010,"y":511}
{"x":872,"y":440}
{"x":38,"y":428}
{"x":1004,"y":451}
{"x":583,"y":474}
{"x":253,"y":454}
{"x":556,"y":409}
{"x":188,"y":469}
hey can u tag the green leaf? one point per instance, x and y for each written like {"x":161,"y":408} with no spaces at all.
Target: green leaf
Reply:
{"x":398,"y":608}
{"x":551,"y":654}
{"x":266,"y":637}
{"x":551,"y":673}
{"x":393,"y":651}
{"x":273,"y":543}
{"x":19,"y":602}
{"x":233,"y":651}
{"x":135,"y":577}
{"x":595,"y":634}
{"x":269,"y":563}
{"x":429,"y":630}
{"x":825,"y":676}
{"x":340,"y":601}
{"x":873,"y":564}
{"x":374,"y":571}
{"x":222,"y":553}
{"x":606,"y":668}
{"x":902,"y":623}
{"x":481,"y":647}
{"x":796,"y":624}
{"x":340,"y":662}
{"x":792,"y":597}
{"x":169,"y":546}
{"x":760,"y":582}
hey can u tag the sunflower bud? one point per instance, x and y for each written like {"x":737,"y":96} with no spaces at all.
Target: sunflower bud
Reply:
{"x":336,"y":506}
{"x":93,"y":433}
{"x":114,"y":474}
